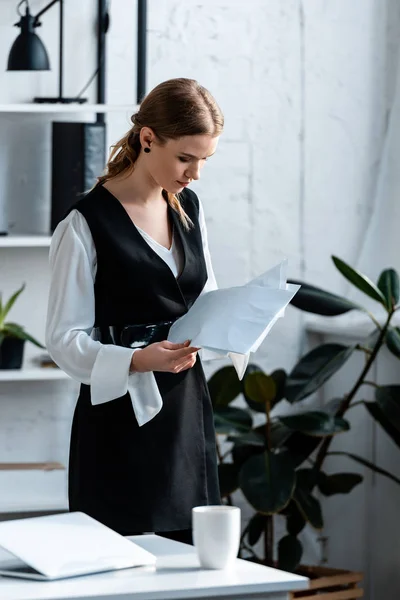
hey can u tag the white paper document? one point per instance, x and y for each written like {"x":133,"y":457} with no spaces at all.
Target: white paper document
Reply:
{"x":237,"y":319}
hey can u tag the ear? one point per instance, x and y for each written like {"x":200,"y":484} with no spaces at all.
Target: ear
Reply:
{"x":147,"y":136}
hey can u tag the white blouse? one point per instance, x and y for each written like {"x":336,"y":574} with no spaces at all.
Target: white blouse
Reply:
{"x":71,"y":313}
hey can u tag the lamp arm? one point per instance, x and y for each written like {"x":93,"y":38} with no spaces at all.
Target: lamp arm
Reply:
{"x":46,"y":8}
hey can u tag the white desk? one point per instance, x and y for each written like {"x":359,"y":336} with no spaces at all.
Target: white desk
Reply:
{"x":177,"y":575}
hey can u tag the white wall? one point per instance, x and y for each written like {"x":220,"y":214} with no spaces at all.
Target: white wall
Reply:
{"x":305,"y":88}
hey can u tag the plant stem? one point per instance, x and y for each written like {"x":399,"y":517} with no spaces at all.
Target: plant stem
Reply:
{"x":356,"y":404}
{"x":269,"y":523}
{"x":371,"y":316}
{"x":269,"y":541}
{"x":323,"y":449}
{"x":221,"y":460}
{"x":268,"y":423}
{"x":249,"y":549}
{"x":375,"y":385}
{"x":219,"y":453}
{"x":367,"y":351}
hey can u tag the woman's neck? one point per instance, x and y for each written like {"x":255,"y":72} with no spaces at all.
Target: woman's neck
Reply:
{"x":136,"y":187}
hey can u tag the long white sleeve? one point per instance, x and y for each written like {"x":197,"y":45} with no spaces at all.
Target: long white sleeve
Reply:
{"x":70,"y":320}
{"x":239,"y":361}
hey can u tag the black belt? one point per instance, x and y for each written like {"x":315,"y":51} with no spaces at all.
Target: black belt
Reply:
{"x":132,"y":336}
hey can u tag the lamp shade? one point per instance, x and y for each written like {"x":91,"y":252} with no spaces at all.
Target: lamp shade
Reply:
{"x":28,"y":52}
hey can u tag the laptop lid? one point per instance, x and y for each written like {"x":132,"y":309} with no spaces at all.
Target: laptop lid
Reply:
{"x":65,"y":545}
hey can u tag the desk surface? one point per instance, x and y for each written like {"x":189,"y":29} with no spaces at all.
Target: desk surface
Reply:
{"x":177,"y":575}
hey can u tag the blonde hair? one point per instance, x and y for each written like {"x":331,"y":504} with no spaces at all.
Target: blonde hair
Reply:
{"x":173,"y":109}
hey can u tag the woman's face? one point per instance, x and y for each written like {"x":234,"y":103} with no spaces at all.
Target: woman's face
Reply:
{"x":175,"y":164}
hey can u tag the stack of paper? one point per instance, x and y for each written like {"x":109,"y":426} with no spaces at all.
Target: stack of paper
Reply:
{"x":237,"y":319}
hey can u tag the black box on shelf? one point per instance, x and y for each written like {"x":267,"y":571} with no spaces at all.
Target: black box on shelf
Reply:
{"x":78,"y":158}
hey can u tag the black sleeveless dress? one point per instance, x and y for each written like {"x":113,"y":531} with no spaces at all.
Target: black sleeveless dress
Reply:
{"x":148,"y":478}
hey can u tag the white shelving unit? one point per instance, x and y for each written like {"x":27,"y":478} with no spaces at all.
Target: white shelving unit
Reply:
{"x":38,"y":374}
{"x":40,"y":500}
{"x":24,"y":241}
{"x":67,"y":108}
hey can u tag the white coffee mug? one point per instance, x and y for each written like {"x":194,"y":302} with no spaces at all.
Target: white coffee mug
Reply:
{"x":216,"y":535}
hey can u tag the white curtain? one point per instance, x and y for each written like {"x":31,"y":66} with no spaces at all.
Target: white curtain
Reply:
{"x":381,"y":246}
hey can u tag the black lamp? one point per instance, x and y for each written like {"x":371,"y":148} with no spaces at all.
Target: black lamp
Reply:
{"x":29,"y":54}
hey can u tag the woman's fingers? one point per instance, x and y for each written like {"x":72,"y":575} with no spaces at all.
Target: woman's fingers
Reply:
{"x":170,"y":346}
{"x":179,"y":351}
{"x":184,"y":366}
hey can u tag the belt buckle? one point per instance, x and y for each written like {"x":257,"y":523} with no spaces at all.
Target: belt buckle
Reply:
{"x":136,"y":336}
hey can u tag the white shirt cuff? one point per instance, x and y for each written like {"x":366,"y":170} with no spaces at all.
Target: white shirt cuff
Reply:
{"x":111,"y":379}
{"x":145,"y":396}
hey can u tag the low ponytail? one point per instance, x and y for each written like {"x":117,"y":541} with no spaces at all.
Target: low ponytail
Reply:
{"x":122,"y":157}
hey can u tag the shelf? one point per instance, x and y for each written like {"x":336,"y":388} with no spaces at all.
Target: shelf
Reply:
{"x":43,"y":466}
{"x":44,"y":374}
{"x":24,"y":241}
{"x":67,"y":108}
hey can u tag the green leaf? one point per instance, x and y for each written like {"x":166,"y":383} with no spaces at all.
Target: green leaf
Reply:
{"x":228,"y":419}
{"x":393,"y":340}
{"x":301,"y":446}
{"x":255,"y":406}
{"x":389,"y":285}
{"x":8,"y":306}
{"x":252,"y":438}
{"x":319,"y":302}
{"x":279,"y":433}
{"x":366,"y":463}
{"x":307,"y":504}
{"x":259,"y":388}
{"x":377,"y":413}
{"x":388,"y":399}
{"x":290,"y":552}
{"x":228,"y":474}
{"x":241,"y":454}
{"x":307,"y":478}
{"x":279,"y":376}
{"x":224,"y":386}
{"x":314,"y":369}
{"x":256,"y":528}
{"x":10,"y":331}
{"x":316,"y":423}
{"x":360,"y":281}
{"x":14,"y":330}
{"x":267,"y":481}
{"x":295,"y":521}
{"x":339,"y":483}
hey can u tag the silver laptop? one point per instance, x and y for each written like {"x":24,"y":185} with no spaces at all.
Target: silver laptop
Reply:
{"x":65,"y":545}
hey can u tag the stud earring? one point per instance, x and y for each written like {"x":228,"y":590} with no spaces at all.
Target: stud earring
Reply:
{"x":147,"y":150}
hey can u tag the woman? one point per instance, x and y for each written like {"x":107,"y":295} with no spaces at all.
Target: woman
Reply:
{"x":128,"y":260}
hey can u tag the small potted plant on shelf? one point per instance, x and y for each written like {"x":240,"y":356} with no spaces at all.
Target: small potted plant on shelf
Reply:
{"x":278,"y":463}
{"x":12,"y":336}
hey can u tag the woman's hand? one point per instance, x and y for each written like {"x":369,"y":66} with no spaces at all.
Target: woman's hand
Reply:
{"x":164,"y":356}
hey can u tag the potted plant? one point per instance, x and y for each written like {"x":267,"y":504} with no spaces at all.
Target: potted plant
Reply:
{"x":279,"y":464}
{"x":12,"y":336}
